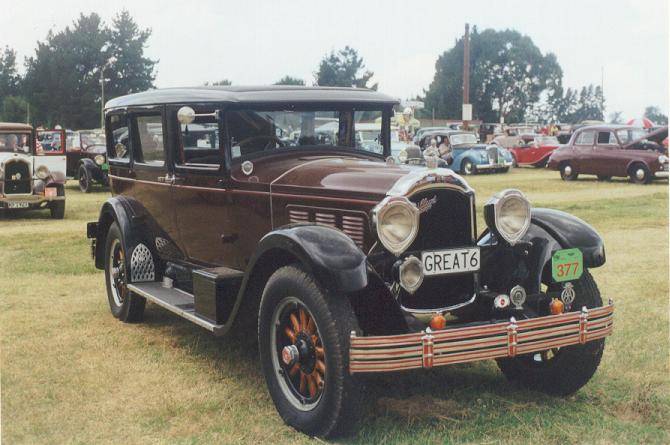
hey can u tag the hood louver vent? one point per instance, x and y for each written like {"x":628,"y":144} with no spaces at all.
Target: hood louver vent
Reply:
{"x":353,"y":224}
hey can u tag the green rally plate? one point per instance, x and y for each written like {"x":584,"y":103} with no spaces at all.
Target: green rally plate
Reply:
{"x":567,"y":265}
{"x":105,"y":166}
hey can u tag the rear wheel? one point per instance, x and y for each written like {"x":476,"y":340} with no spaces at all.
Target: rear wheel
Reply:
{"x":568,"y":172}
{"x":639,"y":174}
{"x":303,"y":337}
{"x":57,"y":209}
{"x":560,"y":371}
{"x":124,"y":305}
{"x":84,"y":179}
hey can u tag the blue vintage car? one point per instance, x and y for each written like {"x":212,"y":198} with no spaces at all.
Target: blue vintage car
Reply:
{"x":467,"y":155}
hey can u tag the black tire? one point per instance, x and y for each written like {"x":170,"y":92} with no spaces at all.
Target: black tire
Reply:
{"x":504,"y":169}
{"x":57,"y":209}
{"x":84,"y":179}
{"x":333,"y":409}
{"x":124,"y":305}
{"x":467,"y":167}
{"x":639,"y":174}
{"x":568,"y":172}
{"x":572,"y":366}
{"x":604,"y":178}
{"x":514,"y":161}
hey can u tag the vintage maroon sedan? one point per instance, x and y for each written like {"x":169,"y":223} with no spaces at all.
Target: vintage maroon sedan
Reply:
{"x":235,"y":209}
{"x":535,"y":152}
{"x":613,"y":150}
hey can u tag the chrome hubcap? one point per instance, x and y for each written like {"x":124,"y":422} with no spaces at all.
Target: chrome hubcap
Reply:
{"x":639,"y":174}
{"x":567,"y":170}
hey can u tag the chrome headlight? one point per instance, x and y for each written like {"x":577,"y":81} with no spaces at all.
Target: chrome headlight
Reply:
{"x":663,"y":159}
{"x":42,"y":172}
{"x":397,"y":222}
{"x":508,"y":215}
{"x":402,"y":156}
{"x":99,"y":159}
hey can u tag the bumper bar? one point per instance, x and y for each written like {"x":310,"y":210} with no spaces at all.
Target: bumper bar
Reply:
{"x":461,"y":345}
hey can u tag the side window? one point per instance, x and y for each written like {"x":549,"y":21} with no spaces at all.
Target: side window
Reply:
{"x":585,"y":138}
{"x":199,"y":142}
{"x":150,"y":147}
{"x":606,"y":138}
{"x":118,"y":135}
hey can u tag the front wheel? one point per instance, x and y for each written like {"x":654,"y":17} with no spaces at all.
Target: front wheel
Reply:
{"x":568,"y":172}
{"x":124,"y":305}
{"x":57,"y":209}
{"x":639,"y":174}
{"x":84,"y":179}
{"x":303,"y":338}
{"x":561,"y":371}
{"x":467,"y":167}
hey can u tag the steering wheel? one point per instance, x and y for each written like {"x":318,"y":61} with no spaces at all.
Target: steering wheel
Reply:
{"x":268,"y":145}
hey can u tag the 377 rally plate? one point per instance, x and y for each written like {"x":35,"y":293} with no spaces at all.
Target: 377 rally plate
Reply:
{"x":439,"y":262}
{"x":567,"y":265}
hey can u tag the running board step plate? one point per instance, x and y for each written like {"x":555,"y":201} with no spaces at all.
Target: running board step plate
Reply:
{"x":174,"y":300}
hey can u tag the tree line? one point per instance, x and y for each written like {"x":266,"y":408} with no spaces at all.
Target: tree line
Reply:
{"x":510,"y":78}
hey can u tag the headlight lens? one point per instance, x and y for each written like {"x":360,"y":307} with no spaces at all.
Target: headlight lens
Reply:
{"x":411,"y":274}
{"x":42,"y":172}
{"x":99,"y":159}
{"x":508,"y":215}
{"x":663,"y":159}
{"x":402,"y":156}
{"x":397,"y":221}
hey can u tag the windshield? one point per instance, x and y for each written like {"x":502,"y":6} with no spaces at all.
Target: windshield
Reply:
{"x":465,"y":138}
{"x":547,"y":140}
{"x":254,"y":131}
{"x":14,"y":142}
{"x":630,"y":134}
{"x":90,"y":139}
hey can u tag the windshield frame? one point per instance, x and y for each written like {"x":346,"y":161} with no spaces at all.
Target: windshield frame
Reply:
{"x":459,"y":135}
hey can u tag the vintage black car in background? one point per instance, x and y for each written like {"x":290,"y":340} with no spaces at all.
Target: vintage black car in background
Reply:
{"x":341,"y":261}
{"x":87,"y":158}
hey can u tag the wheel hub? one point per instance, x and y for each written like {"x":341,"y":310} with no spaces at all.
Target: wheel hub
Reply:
{"x":567,"y":170}
{"x":639,"y":174}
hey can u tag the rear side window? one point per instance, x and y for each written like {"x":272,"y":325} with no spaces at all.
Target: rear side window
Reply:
{"x":585,"y":138}
{"x":117,"y":127}
{"x":606,"y":138}
{"x":150,"y":146}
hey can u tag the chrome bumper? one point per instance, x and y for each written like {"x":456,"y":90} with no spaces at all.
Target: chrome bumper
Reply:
{"x":492,"y":166}
{"x":32,"y":200}
{"x":662,"y":174}
{"x":461,"y":345}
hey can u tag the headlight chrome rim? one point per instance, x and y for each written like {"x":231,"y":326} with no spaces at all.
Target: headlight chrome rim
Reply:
{"x":382,"y":210}
{"x":663,"y":159}
{"x":499,"y":202}
{"x":42,"y":172}
{"x":411,"y":262}
{"x":99,"y":159}
{"x":402,"y":156}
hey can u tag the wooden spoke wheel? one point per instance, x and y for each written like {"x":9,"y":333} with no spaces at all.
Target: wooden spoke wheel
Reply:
{"x":300,"y":358}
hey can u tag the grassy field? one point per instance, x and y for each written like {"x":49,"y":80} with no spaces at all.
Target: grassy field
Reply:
{"x":71,"y":373}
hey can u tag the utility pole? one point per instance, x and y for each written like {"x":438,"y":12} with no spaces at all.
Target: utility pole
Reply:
{"x":467,"y":107}
{"x":102,"y":96}
{"x":602,"y":90}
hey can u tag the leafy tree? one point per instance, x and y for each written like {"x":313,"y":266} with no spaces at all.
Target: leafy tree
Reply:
{"x":288,"y":80}
{"x":9,"y":78}
{"x":656,"y":115}
{"x":62,"y":79}
{"x":13,"y":109}
{"x":508,"y":73}
{"x":219,"y":83}
{"x":616,"y":117}
{"x":343,"y":69}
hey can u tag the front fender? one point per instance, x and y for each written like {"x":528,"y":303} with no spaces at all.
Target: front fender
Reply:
{"x":330,"y":255}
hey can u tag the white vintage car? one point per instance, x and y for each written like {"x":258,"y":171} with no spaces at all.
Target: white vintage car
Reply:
{"x":32,"y":168}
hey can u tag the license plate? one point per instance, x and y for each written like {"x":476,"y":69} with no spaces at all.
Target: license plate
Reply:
{"x":442,"y":262}
{"x":567,"y":265}
{"x":105,"y":167}
{"x":18,"y":205}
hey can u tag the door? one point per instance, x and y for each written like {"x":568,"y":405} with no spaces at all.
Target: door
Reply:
{"x":584,"y":151}
{"x":152,"y":179}
{"x":604,"y":158}
{"x":50,"y":153}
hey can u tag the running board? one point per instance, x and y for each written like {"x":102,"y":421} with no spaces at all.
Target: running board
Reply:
{"x":175,"y":300}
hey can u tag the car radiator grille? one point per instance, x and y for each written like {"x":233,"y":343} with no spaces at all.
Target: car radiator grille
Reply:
{"x":492,"y":154}
{"x":17,"y":178}
{"x":448,"y":223}
{"x":353,"y":224}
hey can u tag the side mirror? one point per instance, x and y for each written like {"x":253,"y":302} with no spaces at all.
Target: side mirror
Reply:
{"x":186,"y":115}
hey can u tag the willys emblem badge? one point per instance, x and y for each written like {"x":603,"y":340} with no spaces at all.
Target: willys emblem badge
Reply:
{"x":425,"y":204}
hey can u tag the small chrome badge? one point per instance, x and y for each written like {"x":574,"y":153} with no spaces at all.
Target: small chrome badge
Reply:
{"x":426,"y":204}
{"x":518,"y":296}
{"x":247,"y":167}
{"x":568,"y":294}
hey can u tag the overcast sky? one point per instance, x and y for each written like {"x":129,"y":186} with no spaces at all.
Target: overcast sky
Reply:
{"x":258,"y":42}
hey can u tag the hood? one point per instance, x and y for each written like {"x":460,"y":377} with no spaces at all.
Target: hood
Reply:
{"x":656,"y":136}
{"x":346,"y":177}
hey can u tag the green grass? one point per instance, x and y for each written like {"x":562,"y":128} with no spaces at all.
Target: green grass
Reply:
{"x":71,"y":373}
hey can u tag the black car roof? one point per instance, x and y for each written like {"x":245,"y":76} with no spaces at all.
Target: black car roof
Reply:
{"x":251,"y":94}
